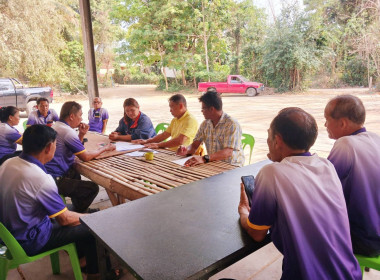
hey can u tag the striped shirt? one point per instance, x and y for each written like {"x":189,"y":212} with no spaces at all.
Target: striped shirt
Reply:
{"x":226,"y":134}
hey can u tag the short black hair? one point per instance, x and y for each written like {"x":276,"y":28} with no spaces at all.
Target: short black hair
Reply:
{"x":178,"y":98}
{"x":298,"y":129}
{"x":36,"y":138}
{"x":348,"y":106}
{"x":68,"y":108}
{"x":212,"y":99}
{"x":41,"y":99}
{"x":5,"y":112}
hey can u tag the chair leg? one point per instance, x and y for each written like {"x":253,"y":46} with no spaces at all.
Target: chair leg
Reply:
{"x":75,"y":262}
{"x":362,"y":269}
{"x":54,"y":259}
{"x":3,"y":269}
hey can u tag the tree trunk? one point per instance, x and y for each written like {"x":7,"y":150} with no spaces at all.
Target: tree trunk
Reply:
{"x":205,"y":39}
{"x":166,"y":79}
{"x":183,"y":77}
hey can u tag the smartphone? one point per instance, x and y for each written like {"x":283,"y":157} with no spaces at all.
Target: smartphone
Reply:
{"x":249,"y":185}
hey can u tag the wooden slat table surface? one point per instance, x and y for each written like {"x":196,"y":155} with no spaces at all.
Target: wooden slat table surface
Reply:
{"x":126,"y":177}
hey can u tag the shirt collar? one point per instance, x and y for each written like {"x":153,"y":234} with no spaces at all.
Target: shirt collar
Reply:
{"x":359,"y":131}
{"x":33,"y":160}
{"x":39,"y":114}
{"x":306,"y":154}
{"x":184,"y":115}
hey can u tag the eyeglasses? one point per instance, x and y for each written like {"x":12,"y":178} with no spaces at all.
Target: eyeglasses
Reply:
{"x":96,"y":102}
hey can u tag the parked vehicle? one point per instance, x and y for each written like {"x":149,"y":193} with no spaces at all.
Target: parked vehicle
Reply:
{"x":13,"y":93}
{"x":234,"y":84}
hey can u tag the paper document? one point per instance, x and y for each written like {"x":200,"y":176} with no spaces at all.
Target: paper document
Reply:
{"x":126,"y":146}
{"x":182,"y":160}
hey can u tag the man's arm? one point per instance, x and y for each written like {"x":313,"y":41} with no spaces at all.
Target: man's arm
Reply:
{"x":179,"y":140}
{"x":219,"y":155}
{"x":156,"y":139}
{"x":89,"y":155}
{"x":243,"y":209}
{"x":69,"y":218}
{"x":190,"y":150}
{"x":104,"y":126}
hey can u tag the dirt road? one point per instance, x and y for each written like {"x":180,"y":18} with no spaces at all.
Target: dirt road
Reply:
{"x":253,"y":113}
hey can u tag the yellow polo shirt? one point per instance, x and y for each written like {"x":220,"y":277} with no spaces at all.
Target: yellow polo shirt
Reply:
{"x":186,"y":125}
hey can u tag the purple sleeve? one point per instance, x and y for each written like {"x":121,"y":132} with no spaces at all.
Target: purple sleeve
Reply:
{"x":105,"y":114}
{"x":74,"y":144}
{"x":48,"y":196}
{"x":13,"y":137}
{"x":31,"y":120}
{"x":340,"y":156}
{"x":264,"y":206}
{"x":55,"y":116}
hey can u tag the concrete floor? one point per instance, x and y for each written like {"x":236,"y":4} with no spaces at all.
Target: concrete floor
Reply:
{"x":254,"y":115}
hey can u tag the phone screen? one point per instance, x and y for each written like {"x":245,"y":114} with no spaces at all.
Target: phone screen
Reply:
{"x":249,"y":185}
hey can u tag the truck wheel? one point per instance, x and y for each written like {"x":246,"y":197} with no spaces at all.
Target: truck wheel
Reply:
{"x":31,"y":106}
{"x":251,"y":91}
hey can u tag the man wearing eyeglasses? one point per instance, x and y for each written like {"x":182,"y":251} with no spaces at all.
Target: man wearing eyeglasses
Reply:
{"x":98,"y":116}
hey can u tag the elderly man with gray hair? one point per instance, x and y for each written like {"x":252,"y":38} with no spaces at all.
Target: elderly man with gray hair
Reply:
{"x":356,"y":155}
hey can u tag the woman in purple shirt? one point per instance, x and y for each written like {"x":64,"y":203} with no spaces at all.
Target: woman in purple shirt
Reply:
{"x":134,"y":124}
{"x":9,"y":136}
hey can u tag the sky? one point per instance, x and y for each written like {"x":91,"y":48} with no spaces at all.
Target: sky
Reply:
{"x":276,"y":5}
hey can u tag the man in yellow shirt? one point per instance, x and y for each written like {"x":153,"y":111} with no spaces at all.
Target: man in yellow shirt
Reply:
{"x":182,"y":128}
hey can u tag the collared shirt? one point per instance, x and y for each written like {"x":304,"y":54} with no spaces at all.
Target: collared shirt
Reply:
{"x":68,"y":146}
{"x":35,"y":117}
{"x":226,"y":134}
{"x":142,"y":130}
{"x":96,"y":118}
{"x":28,"y":199}
{"x":301,"y":200}
{"x":356,"y":160}
{"x":186,"y":125}
{"x":8,"y":138}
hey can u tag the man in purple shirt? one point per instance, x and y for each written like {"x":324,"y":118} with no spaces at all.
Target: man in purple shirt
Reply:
{"x":98,"y":117}
{"x":29,"y":199}
{"x":356,"y":155}
{"x":69,"y":145}
{"x":43,"y":115}
{"x":300,"y":199}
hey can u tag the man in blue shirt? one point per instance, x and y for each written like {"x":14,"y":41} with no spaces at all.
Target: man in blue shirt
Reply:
{"x":29,"y":199}
{"x":43,"y":115}
{"x":356,"y":155}
{"x":300,"y":199}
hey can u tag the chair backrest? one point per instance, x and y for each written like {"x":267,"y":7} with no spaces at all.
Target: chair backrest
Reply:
{"x":161,"y":127}
{"x":14,"y":248}
{"x":248,"y":139}
{"x":24,"y":124}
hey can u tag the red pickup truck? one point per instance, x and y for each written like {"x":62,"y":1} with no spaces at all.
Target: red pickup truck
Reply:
{"x":234,"y":84}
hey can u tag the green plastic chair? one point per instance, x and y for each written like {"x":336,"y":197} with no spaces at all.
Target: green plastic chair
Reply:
{"x":161,"y":127}
{"x":13,"y":255}
{"x":248,"y":139}
{"x":369,"y":262}
{"x":24,"y":124}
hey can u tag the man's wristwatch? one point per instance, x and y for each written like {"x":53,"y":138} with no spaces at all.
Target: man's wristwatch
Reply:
{"x":206,"y":158}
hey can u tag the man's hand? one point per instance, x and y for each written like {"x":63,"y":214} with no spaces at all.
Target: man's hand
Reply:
{"x":83,"y":128}
{"x":109,"y":147}
{"x":181,"y":151}
{"x":139,"y":141}
{"x":195,"y":160}
{"x":152,"y":145}
{"x":114,"y":136}
{"x":243,"y":207}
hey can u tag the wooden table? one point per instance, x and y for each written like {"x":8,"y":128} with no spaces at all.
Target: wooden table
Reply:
{"x":126,"y":177}
{"x":189,"y":232}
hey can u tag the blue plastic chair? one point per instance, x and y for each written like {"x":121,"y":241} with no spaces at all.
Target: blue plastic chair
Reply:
{"x":13,"y":255}
{"x":248,"y":139}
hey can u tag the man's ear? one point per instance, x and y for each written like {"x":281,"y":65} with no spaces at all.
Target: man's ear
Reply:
{"x":278,"y":141}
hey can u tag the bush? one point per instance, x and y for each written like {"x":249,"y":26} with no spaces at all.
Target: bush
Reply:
{"x":355,"y":72}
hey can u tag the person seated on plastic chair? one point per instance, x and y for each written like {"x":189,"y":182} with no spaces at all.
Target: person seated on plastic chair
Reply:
{"x":29,"y":199}
{"x":355,"y":156}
